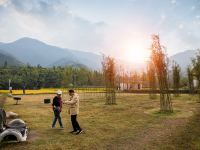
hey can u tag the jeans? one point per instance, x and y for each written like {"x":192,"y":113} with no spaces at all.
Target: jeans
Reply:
{"x":75,"y":123}
{"x":57,"y":117}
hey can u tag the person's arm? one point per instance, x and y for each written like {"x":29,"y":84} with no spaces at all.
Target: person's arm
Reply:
{"x":53,"y":104}
{"x":73,"y":101}
{"x":61,"y":102}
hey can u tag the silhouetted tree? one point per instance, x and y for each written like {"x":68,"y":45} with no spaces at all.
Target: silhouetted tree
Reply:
{"x":176,"y":77}
{"x":190,"y":79}
{"x":5,"y":64}
{"x":196,"y":69}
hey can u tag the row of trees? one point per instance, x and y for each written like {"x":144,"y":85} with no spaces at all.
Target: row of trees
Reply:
{"x":157,"y":76}
{"x":38,"y":77}
{"x":29,"y":77}
{"x":160,"y":69}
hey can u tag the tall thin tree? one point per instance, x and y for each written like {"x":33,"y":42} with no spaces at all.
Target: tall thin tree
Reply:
{"x":196,"y":69}
{"x":109,"y":71}
{"x":176,"y":78}
{"x":190,"y":79}
{"x":159,"y":59}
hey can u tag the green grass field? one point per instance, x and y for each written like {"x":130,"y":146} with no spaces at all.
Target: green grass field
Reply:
{"x":134,"y":123}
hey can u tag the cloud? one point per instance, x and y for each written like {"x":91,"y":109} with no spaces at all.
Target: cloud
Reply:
{"x":174,"y":2}
{"x":34,"y":6}
{"x":193,"y":7}
{"x":50,"y":21}
{"x":2,"y":2}
{"x":180,"y":26}
{"x":197,"y":17}
{"x":65,"y":23}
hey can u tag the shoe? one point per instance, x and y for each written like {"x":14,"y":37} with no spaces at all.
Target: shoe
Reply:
{"x":53,"y":127}
{"x":72,"y":131}
{"x":61,"y":128}
{"x":79,"y":132}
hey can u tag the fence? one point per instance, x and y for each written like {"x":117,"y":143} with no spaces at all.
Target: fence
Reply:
{"x":98,"y":90}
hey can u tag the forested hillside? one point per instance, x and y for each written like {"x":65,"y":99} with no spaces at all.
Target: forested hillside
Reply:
{"x":30,"y":77}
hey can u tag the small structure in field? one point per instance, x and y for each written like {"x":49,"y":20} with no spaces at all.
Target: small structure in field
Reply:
{"x":195,"y":83}
{"x":17,"y":99}
{"x":131,"y":86}
{"x":47,"y":101}
{"x":136,"y":85}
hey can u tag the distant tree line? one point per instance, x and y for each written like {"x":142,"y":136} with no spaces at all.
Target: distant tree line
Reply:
{"x":29,"y":77}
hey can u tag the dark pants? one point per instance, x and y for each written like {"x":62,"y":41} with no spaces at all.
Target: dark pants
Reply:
{"x":75,"y":124}
{"x":57,"y":117}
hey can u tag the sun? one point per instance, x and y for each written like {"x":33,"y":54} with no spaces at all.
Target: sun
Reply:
{"x":136,"y":52}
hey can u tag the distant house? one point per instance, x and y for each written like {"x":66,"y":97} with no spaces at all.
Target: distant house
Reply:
{"x":131,"y":86}
{"x":124,"y":86}
{"x":195,"y":83}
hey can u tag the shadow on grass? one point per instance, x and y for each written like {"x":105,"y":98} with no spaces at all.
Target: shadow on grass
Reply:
{"x":11,"y":145}
{"x":163,"y":114}
{"x":157,"y":113}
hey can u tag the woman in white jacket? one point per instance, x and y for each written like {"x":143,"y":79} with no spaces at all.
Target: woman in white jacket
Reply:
{"x":73,"y":110}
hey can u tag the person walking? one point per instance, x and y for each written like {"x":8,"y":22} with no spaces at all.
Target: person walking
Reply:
{"x":73,"y":110}
{"x":57,"y":108}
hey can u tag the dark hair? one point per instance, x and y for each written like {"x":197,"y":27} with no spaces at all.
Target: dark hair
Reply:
{"x":71,"y":91}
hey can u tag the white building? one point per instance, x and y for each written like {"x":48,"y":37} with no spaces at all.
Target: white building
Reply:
{"x":131,"y":86}
{"x":195,"y":83}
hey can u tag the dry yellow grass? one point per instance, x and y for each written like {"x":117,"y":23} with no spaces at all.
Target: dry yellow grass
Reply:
{"x":52,"y":91}
{"x":131,"y":124}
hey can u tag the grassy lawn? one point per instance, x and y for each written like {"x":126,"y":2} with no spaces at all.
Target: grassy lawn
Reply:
{"x":134,"y":123}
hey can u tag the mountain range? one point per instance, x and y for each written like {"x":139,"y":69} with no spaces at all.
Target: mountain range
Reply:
{"x":9,"y":60}
{"x":184,"y":59}
{"x":34,"y":52}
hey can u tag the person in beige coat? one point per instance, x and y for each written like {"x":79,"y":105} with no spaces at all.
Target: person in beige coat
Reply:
{"x":73,"y":110}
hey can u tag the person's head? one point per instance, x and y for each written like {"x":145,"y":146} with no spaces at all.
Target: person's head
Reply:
{"x":71,"y":92}
{"x":59,"y":93}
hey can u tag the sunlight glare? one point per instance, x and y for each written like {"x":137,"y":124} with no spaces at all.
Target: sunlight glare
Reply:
{"x":137,"y":52}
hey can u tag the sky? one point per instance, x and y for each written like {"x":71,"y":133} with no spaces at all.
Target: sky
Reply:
{"x":119,"y":28}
